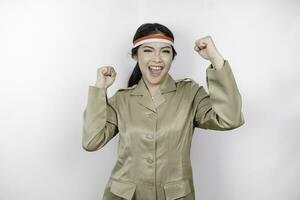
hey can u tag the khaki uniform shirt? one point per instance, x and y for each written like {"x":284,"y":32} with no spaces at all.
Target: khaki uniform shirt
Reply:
{"x":155,"y":135}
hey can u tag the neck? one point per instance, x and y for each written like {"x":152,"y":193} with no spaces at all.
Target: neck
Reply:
{"x":153,"y":88}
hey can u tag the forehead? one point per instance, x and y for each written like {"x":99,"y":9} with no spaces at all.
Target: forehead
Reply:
{"x":156,"y":44}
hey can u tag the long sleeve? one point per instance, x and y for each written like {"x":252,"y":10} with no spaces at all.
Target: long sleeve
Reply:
{"x":221,"y":108}
{"x":100,"y":123}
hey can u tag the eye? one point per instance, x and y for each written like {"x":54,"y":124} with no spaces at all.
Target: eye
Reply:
{"x":166,"y":51}
{"x":147,"y":50}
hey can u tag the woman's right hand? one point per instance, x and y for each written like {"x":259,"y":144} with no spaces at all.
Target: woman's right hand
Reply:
{"x":106,"y":75}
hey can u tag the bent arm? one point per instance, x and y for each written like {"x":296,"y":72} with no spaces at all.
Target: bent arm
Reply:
{"x":221,"y":108}
{"x":99,"y":119}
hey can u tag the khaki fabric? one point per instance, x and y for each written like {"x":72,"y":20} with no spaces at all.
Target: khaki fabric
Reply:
{"x":155,"y":135}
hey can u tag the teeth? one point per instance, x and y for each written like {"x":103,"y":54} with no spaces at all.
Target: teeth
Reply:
{"x":156,"y":67}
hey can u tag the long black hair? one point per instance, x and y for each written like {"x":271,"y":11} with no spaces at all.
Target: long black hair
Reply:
{"x":144,"y":30}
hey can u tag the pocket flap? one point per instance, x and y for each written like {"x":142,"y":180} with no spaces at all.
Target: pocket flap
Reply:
{"x":123,"y":189}
{"x":177,"y":189}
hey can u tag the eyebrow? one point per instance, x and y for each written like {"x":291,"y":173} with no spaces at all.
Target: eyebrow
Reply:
{"x":161,"y":48}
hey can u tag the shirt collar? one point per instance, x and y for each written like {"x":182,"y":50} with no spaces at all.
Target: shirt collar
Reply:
{"x":141,"y":89}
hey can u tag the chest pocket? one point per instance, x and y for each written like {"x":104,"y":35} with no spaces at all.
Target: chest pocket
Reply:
{"x":177,"y":189}
{"x":122,"y":189}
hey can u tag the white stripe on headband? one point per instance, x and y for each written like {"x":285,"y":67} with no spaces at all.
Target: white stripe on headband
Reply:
{"x":153,"y":40}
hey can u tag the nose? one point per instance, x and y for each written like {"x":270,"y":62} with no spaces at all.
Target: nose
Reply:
{"x":157,"y":57}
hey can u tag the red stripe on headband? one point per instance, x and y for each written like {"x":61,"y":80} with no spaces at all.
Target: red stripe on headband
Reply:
{"x":161,"y":36}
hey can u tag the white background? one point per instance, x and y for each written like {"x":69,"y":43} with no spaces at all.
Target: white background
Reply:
{"x":49,"y":54}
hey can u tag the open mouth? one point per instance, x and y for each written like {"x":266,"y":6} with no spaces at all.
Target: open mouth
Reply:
{"x":155,"y":70}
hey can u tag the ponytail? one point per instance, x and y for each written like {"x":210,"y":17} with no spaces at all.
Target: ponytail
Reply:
{"x":135,"y":76}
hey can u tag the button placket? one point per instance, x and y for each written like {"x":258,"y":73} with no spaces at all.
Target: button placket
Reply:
{"x":150,"y":136}
{"x":152,"y":117}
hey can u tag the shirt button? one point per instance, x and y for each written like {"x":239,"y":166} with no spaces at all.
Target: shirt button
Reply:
{"x":149,"y":160}
{"x":152,"y":184}
{"x":149,"y":136}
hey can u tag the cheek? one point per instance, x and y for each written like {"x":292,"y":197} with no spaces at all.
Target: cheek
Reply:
{"x":143,"y":62}
{"x":143,"y":67}
{"x":168,"y":61}
{"x":167,"y":57}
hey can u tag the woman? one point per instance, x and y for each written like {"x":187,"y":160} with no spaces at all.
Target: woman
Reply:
{"x":156,"y":115}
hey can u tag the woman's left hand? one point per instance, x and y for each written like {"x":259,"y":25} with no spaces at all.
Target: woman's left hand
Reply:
{"x":207,"y":50}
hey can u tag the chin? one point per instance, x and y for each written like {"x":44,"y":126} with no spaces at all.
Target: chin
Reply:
{"x":156,"y":80}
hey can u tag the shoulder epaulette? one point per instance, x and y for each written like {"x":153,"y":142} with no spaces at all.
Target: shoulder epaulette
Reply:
{"x":128,"y":88}
{"x":184,"y":79}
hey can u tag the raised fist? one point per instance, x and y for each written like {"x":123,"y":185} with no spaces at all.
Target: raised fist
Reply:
{"x":206,"y":48}
{"x":106,"y":75}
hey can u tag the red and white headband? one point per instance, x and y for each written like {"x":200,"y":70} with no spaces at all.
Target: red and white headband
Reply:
{"x":153,"y":38}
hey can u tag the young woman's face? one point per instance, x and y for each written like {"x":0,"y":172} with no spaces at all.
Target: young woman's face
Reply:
{"x":155,"y":60}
